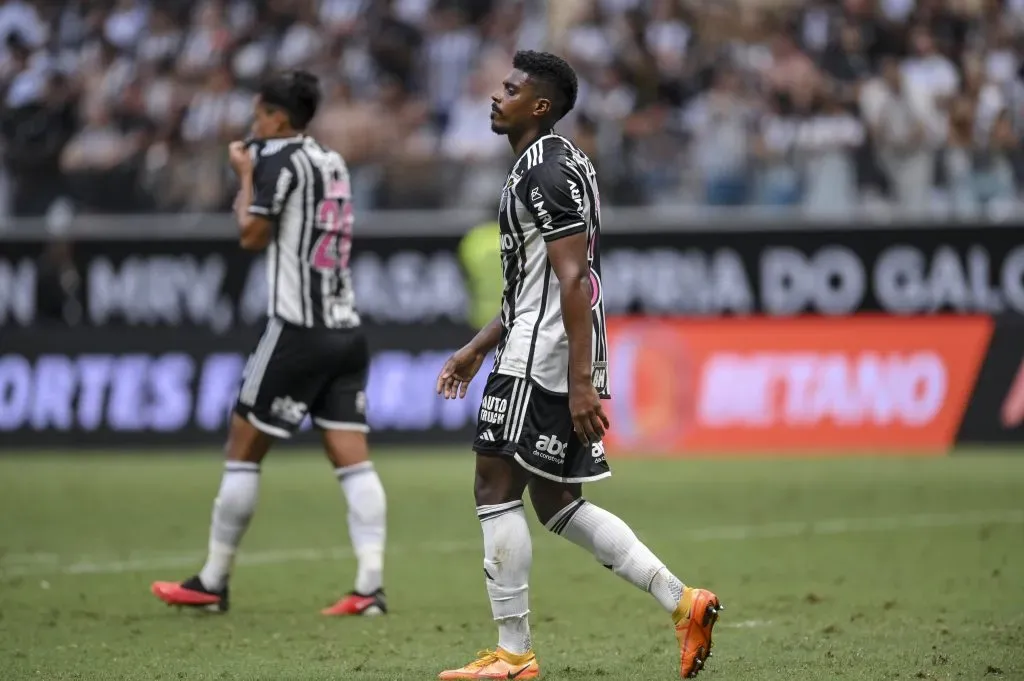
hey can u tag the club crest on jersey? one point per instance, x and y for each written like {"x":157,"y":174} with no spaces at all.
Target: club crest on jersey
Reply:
{"x":506,"y":190}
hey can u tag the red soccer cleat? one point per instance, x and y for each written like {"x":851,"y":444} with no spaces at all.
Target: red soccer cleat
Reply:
{"x":192,"y":594}
{"x":356,"y":604}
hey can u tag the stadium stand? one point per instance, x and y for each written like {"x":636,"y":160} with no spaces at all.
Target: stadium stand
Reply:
{"x":125,"y":106}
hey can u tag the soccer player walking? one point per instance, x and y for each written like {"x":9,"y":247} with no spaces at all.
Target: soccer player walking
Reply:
{"x":541,"y":422}
{"x":312,"y":359}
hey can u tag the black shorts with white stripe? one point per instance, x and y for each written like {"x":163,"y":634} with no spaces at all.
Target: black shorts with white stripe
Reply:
{"x":295,"y":371}
{"x":521,"y":420}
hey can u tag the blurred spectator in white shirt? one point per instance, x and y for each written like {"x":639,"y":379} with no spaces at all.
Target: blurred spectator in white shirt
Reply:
{"x":931,"y":80}
{"x":901,"y":139}
{"x":720,"y":124}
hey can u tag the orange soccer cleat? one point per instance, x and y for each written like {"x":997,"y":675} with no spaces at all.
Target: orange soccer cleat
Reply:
{"x":695,"y":617}
{"x":496,"y":664}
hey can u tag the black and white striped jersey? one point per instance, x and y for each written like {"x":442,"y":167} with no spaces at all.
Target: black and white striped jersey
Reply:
{"x":550,"y":193}
{"x":304,"y":188}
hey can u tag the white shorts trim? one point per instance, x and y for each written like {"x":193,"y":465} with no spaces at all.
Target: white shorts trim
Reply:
{"x":341,"y":425}
{"x":267,"y":428}
{"x":555,"y":478}
{"x":256,"y":367}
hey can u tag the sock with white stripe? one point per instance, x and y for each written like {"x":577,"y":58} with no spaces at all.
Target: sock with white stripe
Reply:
{"x":367,"y":516}
{"x":232,"y":511}
{"x":616,"y":546}
{"x":508,"y":555}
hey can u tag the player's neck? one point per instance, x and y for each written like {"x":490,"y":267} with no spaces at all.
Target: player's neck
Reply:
{"x":286,"y":134}
{"x":523,"y":141}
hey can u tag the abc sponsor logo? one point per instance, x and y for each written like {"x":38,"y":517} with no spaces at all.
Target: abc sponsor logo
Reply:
{"x":549,"y":447}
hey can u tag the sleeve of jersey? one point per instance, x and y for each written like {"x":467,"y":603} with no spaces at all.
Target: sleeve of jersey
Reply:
{"x":273,"y":181}
{"x":555,"y":199}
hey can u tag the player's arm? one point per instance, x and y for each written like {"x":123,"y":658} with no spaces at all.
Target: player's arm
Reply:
{"x":549,"y":194}
{"x":261,"y":196}
{"x":487,"y":338}
{"x":461,"y":367}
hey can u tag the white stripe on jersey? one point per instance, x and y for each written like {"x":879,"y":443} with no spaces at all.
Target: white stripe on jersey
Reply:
{"x":308,"y":227}
{"x":535,"y":153}
{"x":290,"y":237}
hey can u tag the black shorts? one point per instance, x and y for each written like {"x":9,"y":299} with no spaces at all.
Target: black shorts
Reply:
{"x":518,"y":419}
{"x":294,"y":371}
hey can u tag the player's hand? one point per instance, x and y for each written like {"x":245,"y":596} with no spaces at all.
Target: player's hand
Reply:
{"x":239,"y":158}
{"x":588,"y":417}
{"x":458,"y":371}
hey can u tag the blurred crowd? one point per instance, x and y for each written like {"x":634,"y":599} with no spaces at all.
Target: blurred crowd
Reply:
{"x":125,"y":106}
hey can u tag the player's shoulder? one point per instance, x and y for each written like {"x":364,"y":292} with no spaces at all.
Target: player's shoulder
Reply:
{"x":548,"y":157}
{"x":548,"y":150}
{"x":274,"y":155}
{"x":321,"y":154}
{"x":554,"y":155}
{"x":277,"y":149}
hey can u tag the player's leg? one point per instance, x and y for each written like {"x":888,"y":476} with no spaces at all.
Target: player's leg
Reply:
{"x":508,"y":552}
{"x":270,"y":405}
{"x":564,"y":511}
{"x":339,"y":412}
{"x":348,"y":452}
{"x":508,"y":549}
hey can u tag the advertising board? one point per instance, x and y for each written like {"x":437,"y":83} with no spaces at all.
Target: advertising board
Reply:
{"x":212,"y":284}
{"x":791,"y":385}
{"x":141,"y":388}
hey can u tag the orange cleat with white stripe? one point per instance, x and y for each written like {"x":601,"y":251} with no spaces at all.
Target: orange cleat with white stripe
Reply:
{"x":695,"y":617}
{"x":496,"y":664}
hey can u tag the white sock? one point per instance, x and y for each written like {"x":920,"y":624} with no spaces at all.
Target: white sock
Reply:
{"x":508,"y":554}
{"x":367,"y":526}
{"x":616,"y":546}
{"x":232,"y":511}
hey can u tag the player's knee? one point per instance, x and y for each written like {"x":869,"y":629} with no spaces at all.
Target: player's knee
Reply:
{"x":489,"y":491}
{"x":345,"y":447}
{"x":545,"y":512}
{"x":495,"y":482}
{"x":245,"y":442}
{"x":550,"y":499}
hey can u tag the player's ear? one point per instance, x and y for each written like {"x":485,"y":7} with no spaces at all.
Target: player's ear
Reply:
{"x":542,"y":107}
{"x":281,"y":120}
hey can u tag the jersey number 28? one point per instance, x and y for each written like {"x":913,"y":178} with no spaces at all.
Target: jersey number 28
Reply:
{"x":334,"y":217}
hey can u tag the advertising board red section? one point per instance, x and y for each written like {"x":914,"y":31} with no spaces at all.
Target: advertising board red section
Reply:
{"x":792,"y":385}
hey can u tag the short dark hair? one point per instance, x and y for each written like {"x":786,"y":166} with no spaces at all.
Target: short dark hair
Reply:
{"x":554,"y":75}
{"x":297,"y":93}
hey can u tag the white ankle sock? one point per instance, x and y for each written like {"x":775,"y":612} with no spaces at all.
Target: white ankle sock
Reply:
{"x":615,"y":545}
{"x":508,"y":555}
{"x":232,"y":510}
{"x":367,"y":526}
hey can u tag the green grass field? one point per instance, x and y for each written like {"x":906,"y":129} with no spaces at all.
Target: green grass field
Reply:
{"x":835,"y":568}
